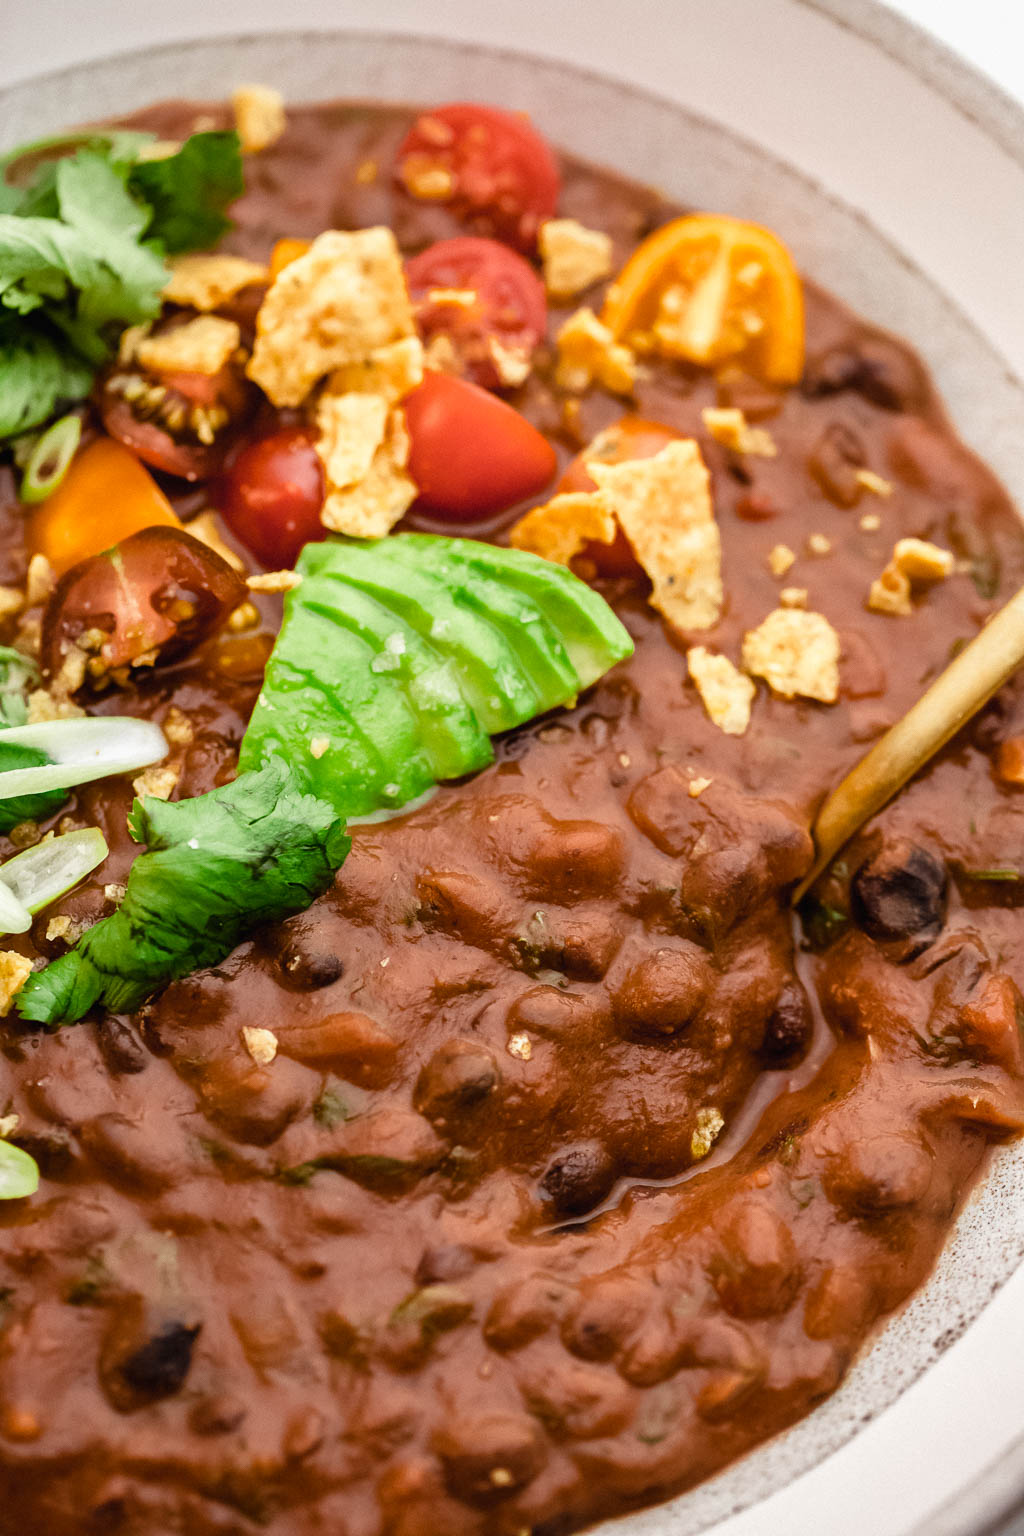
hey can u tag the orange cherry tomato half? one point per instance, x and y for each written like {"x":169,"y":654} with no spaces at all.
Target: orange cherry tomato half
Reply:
{"x":105,"y":496}
{"x":271,"y":496}
{"x":285,"y":252}
{"x":486,"y":299}
{"x":490,"y":167}
{"x":471,"y":455}
{"x":712,"y":289}
{"x":630,"y":438}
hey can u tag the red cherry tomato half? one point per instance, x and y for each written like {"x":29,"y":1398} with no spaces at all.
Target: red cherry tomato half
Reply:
{"x":158,"y":590}
{"x":632,"y":437}
{"x":166,"y":418}
{"x":490,"y":167}
{"x":488,"y":301}
{"x":472,"y":455}
{"x":272,"y":494}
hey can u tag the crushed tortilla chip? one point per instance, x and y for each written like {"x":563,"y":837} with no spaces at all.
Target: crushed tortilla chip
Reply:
{"x":873,"y":483}
{"x":793,"y":597}
{"x":780,"y":559}
{"x":202,"y":345}
{"x":561,"y":528}
{"x":796,"y":652}
{"x":697,"y":786}
{"x":729,"y":426}
{"x":159,"y":781}
{"x":663,"y":505}
{"x":337,"y":304}
{"x":206,"y":282}
{"x":273,"y":581}
{"x":260,"y":1043}
{"x":588,"y":353}
{"x":921,"y":560}
{"x":573,"y":256}
{"x":351,"y":428}
{"x":15,"y":970}
{"x":371,"y":506}
{"x":709,"y":1125}
{"x":390,"y":371}
{"x":724,"y":691}
{"x":890,"y":592}
{"x":871,"y":522}
{"x":819,"y":544}
{"x":259,"y":116}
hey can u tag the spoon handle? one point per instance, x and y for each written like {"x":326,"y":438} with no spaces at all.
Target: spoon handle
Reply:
{"x":969,"y":681}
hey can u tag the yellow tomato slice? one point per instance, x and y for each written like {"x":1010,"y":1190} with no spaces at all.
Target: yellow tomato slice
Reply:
{"x":712,"y":289}
{"x":105,"y":495}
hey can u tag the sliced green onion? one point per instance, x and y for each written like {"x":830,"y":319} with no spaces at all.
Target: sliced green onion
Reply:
{"x":19,"y":1173}
{"x":14,"y":915}
{"x":81,"y":751}
{"x":41,"y":874}
{"x":50,"y":459}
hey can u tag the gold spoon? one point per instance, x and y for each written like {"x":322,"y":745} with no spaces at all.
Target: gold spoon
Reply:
{"x":969,"y":681}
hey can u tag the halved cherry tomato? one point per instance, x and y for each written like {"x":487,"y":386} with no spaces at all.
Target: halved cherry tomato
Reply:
{"x":630,"y":438}
{"x":471,"y":454}
{"x":105,"y":496}
{"x":181,"y":423}
{"x":271,"y":496}
{"x":490,"y":167}
{"x":285,"y":252}
{"x":159,"y":590}
{"x":712,"y":289}
{"x":488,"y":301}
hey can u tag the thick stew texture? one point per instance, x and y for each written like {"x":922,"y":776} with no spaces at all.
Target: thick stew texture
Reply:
{"x":547,"y":1162}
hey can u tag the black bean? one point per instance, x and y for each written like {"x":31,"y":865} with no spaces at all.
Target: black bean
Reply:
{"x":146,"y":1356}
{"x":900,"y":893}
{"x":879,"y":370}
{"x":458,"y":1077}
{"x":306,"y":961}
{"x":120,"y":1047}
{"x":578,"y":1178}
{"x":445,"y":1261}
{"x":787,"y":1033}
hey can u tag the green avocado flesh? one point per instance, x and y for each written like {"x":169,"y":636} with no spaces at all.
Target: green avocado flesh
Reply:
{"x":399,"y":658}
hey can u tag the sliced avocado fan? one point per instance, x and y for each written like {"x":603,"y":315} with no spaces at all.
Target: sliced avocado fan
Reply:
{"x":399,"y":658}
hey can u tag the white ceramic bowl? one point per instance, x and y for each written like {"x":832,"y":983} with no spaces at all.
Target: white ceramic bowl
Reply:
{"x":897,"y":177}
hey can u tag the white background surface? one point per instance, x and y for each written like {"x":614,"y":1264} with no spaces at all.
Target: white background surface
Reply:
{"x":841,"y":1498}
{"x":46,"y":34}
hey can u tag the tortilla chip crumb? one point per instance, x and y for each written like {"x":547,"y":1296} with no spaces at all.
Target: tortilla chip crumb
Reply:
{"x":12,"y":600}
{"x":260,"y":1043}
{"x":890,"y":592}
{"x":158,"y":782}
{"x":205,"y":528}
{"x":43,"y":706}
{"x":724,"y":691}
{"x":273,"y":581}
{"x":15,"y":970}
{"x":780,"y":559}
{"x":663,"y":505}
{"x":177,"y":727}
{"x":64,"y":927}
{"x":259,"y":116}
{"x":729,"y":426}
{"x":245,"y":616}
{"x":819,"y":544}
{"x":873,"y":483}
{"x":115,"y":893}
{"x":318,"y":745}
{"x":573,"y":256}
{"x":364,"y":447}
{"x":561,"y":528}
{"x":921,"y":560}
{"x":205,"y":282}
{"x":335,"y":305}
{"x":698,"y":786}
{"x":871,"y":522}
{"x":520,"y":1045}
{"x":202,"y":345}
{"x":709,"y":1127}
{"x":588,"y":353}
{"x":797,"y":653}
{"x":390,"y":371}
{"x":367,"y":172}
{"x":39,"y":581}
{"x":793,"y":597}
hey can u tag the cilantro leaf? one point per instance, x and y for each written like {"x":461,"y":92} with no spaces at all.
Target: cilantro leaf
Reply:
{"x":189,"y":191}
{"x":250,"y":852}
{"x":40,"y":374}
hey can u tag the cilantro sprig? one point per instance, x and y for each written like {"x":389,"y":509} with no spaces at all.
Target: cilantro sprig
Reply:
{"x":82,"y":244}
